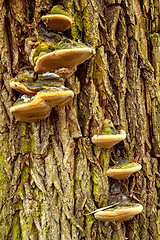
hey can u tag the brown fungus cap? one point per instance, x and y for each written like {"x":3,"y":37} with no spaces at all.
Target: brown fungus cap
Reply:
{"x":57,"y":22}
{"x":64,"y":58}
{"x":108,"y":141}
{"x":119,"y":214}
{"x":32,"y":89}
{"x":55,"y":96}
{"x":30,"y":109}
{"x":123,"y":172}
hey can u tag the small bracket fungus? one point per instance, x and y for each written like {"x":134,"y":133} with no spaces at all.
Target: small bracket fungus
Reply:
{"x":28,"y":109}
{"x":123,"y":211}
{"x":119,"y":213}
{"x":109,"y":136}
{"x":58,"y":20}
{"x":123,"y":169}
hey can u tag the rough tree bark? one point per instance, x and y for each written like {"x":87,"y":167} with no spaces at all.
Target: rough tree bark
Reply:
{"x":50,"y":172}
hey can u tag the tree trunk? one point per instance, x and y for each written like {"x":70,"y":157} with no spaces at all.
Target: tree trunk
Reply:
{"x":51,"y":174}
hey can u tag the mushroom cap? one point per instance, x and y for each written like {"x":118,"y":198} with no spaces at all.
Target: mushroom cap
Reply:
{"x":123,"y":172}
{"x":64,"y":58}
{"x":57,"y":22}
{"x":33,"y":88}
{"x":30,"y":109}
{"x":55,"y":96}
{"x":119,"y":214}
{"x":108,"y":141}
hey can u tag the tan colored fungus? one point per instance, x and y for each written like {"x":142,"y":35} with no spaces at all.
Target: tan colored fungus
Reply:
{"x":30,"y":110}
{"x":122,"y":173}
{"x":64,"y":58}
{"x":119,"y":214}
{"x":55,"y":98}
{"x":23,"y":88}
{"x":108,"y":141}
{"x":57,"y":22}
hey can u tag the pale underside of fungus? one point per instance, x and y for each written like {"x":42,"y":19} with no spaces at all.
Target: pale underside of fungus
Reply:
{"x":122,"y":173}
{"x":108,"y":141}
{"x":120,"y":214}
{"x":30,"y":110}
{"x":39,"y":106}
{"x":64,"y":58}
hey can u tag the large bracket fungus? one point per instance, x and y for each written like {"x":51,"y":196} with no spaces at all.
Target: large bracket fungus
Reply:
{"x":28,"y":109}
{"x":48,"y":53}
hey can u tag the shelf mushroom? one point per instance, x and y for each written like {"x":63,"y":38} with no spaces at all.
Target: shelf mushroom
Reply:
{"x":123,"y":169}
{"x":119,"y":214}
{"x":65,"y":58}
{"x":32,"y":109}
{"x":51,"y":52}
{"x":109,"y":136}
{"x":58,"y":20}
{"x":25,"y":82}
{"x":122,"y":210}
{"x":55,"y":96}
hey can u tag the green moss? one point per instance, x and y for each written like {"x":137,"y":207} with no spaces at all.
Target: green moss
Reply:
{"x":89,"y":220}
{"x":16,"y":227}
{"x":25,"y":141}
{"x":24,"y":178}
{"x":86,"y":20}
{"x":59,"y":9}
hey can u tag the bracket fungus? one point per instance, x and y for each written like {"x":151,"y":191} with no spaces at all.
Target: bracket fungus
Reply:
{"x":59,"y":19}
{"x":123,"y":169}
{"x":109,"y":136}
{"x":32,"y":109}
{"x":124,"y":210}
{"x":48,"y":53}
{"x":46,"y":92}
{"x":64,"y":58}
{"x":119,"y":213}
{"x":55,"y":96}
{"x":28,"y":84}
{"x":55,"y":53}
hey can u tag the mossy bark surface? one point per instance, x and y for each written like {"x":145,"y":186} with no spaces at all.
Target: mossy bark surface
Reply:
{"x":50,"y":172}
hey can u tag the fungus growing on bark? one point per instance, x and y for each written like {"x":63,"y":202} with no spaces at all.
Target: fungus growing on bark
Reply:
{"x":55,"y":96}
{"x":122,"y":210}
{"x":32,"y":109}
{"x":58,"y":20}
{"x":109,"y":136}
{"x":119,"y":213}
{"x":39,"y":106}
{"x":123,"y":169}
{"x":26,"y":84}
{"x":64,"y":58}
